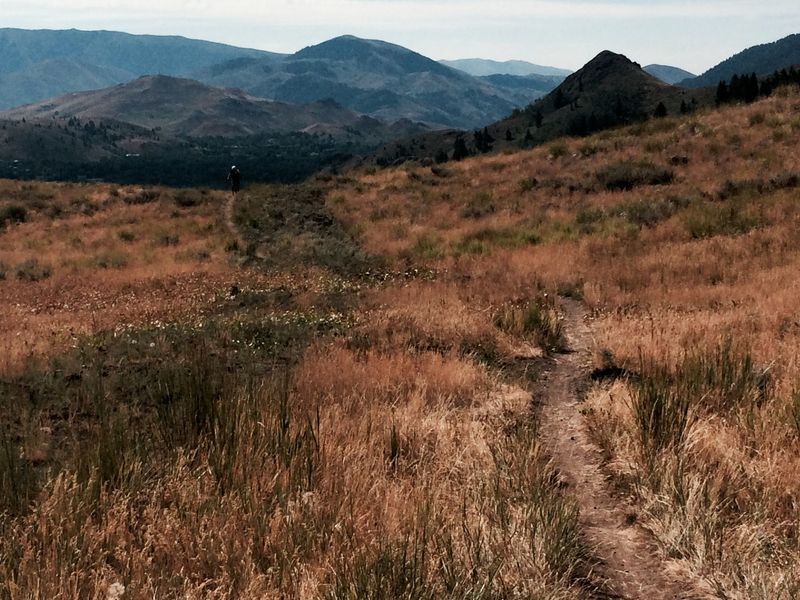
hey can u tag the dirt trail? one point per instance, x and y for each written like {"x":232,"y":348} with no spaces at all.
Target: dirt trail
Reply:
{"x":233,"y":228}
{"x":628,"y":561}
{"x":230,"y":221}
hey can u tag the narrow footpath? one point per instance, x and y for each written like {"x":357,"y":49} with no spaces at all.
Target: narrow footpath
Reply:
{"x":627,"y":559}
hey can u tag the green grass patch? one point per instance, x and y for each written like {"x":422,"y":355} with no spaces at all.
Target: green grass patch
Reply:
{"x":629,"y":175}
{"x":712,"y":219}
{"x":483,"y":241}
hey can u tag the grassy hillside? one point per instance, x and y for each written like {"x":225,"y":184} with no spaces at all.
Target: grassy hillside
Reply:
{"x":680,"y":236}
{"x":332,"y":390}
{"x":609,"y":91}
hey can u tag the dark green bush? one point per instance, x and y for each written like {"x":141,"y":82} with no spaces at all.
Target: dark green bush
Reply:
{"x":480,"y":206}
{"x":708,"y":220}
{"x":626,"y":176}
{"x":142,"y":197}
{"x":13,"y":213}
{"x":32,"y":270}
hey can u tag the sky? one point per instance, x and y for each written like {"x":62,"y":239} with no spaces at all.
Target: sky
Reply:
{"x":694,"y":35}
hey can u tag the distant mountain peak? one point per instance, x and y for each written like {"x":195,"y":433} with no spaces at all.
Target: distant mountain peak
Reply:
{"x":348,"y":47}
{"x":608,"y":66}
{"x":608,"y":59}
{"x":610,"y":90}
{"x":373,"y":54}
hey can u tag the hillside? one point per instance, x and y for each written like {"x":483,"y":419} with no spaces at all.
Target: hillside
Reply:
{"x":372,"y":77}
{"x":668,"y":74}
{"x":533,"y":374}
{"x":42,"y":64}
{"x":183,"y":107}
{"x":522,"y":90}
{"x":608,"y":91}
{"x":481,"y":67}
{"x":761,"y":60}
{"x":160,"y":129}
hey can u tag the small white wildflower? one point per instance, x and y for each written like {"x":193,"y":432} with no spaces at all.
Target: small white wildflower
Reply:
{"x":115,"y":591}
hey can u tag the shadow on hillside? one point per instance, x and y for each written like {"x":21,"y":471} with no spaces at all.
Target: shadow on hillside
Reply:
{"x":290,"y":225}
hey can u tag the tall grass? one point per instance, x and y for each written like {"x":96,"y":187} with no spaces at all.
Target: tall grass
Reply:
{"x":535,"y":319}
{"x":206,"y":474}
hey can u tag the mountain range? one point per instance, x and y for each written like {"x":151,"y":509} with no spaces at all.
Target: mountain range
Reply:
{"x":609,"y":91}
{"x":187,"y":108}
{"x":371,"y":77}
{"x":376,"y":78}
{"x":43,"y":64}
{"x":284,"y":116}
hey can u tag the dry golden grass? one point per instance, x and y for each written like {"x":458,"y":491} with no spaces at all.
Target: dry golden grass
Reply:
{"x":666,"y":270}
{"x":110,"y":261}
{"x":389,"y":462}
{"x":393,"y":460}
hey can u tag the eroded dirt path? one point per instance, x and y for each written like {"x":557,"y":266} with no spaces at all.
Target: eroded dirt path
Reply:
{"x":628,"y":562}
{"x":230,"y":221}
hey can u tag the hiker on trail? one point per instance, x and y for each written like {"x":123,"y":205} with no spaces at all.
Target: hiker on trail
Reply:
{"x":235,"y":177}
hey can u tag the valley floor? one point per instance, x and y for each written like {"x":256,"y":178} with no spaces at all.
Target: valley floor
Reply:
{"x":568,"y":372}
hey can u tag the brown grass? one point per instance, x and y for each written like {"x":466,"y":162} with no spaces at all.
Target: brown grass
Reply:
{"x":666,"y":270}
{"x":393,"y":458}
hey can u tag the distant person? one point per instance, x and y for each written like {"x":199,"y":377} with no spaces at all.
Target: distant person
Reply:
{"x":235,"y":177}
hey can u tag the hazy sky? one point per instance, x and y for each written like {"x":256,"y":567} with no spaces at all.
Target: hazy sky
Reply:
{"x":694,"y":35}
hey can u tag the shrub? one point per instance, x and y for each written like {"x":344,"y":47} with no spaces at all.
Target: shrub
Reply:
{"x":427,"y":248}
{"x":17,"y":477}
{"x":648,"y":213}
{"x":588,"y":149}
{"x":661,"y":414}
{"x":186,"y":199}
{"x":589,"y":216}
{"x":557,"y":150}
{"x":480,"y":206}
{"x":126,"y":235}
{"x":31,"y":270}
{"x":481,"y":241}
{"x":527,"y":184}
{"x":168,"y":239}
{"x":626,"y":176}
{"x":111,"y":260}
{"x":13,"y":213}
{"x":794,"y":411}
{"x":723,"y":380}
{"x":710,"y":220}
{"x":732,"y":189}
{"x":142,"y":197}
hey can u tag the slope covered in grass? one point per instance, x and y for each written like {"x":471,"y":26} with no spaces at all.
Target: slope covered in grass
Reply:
{"x":681,"y":237}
